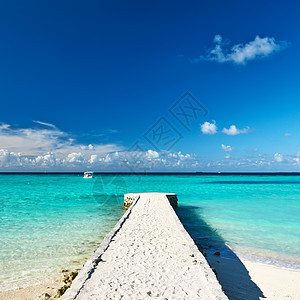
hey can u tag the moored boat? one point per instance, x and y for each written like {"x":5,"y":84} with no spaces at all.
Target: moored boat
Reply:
{"x":88,"y":174}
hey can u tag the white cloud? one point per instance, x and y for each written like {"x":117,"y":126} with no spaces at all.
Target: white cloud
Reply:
{"x":31,"y":141}
{"x":37,"y":141}
{"x":278,"y":157}
{"x":209,"y":128}
{"x":4,"y":126}
{"x":9,"y":158}
{"x":227,"y":148}
{"x":107,"y":158}
{"x":217,"y":39}
{"x":232,"y":130}
{"x":147,"y":161}
{"x":74,"y":158}
{"x":150,"y":154}
{"x":40,"y":148}
{"x":93,"y":159}
{"x":47,"y":160}
{"x":45,"y":124}
{"x":79,"y":161}
{"x":244,"y":52}
{"x":58,"y":152}
{"x":88,"y":147}
{"x":296,"y":159}
{"x":141,"y":161}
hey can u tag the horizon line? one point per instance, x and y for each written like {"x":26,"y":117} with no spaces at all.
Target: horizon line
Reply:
{"x":153,"y":173}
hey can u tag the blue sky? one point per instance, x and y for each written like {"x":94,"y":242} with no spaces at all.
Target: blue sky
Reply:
{"x":82,"y":82}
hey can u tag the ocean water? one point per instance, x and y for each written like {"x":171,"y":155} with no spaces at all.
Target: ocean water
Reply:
{"x":49,"y":222}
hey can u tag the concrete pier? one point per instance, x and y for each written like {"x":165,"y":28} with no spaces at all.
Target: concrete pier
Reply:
{"x":147,"y":255}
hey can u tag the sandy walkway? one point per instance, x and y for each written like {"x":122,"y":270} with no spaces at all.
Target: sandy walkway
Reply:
{"x":150,"y":257}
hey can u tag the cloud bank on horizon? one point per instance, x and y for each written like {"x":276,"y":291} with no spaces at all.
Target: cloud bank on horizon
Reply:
{"x":31,"y":149}
{"x":50,"y":149}
{"x":241,"y":53}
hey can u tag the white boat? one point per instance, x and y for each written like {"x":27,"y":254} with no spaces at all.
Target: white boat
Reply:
{"x":88,"y":174}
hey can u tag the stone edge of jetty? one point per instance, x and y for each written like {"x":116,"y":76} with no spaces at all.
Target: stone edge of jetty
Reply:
{"x":88,"y":268}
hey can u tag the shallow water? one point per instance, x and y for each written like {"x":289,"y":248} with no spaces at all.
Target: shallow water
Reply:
{"x":48,"y":222}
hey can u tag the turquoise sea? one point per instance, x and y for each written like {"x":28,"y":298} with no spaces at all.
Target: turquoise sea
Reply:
{"x":49,"y":222}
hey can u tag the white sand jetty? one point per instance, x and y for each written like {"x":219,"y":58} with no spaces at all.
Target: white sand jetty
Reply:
{"x":147,"y":255}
